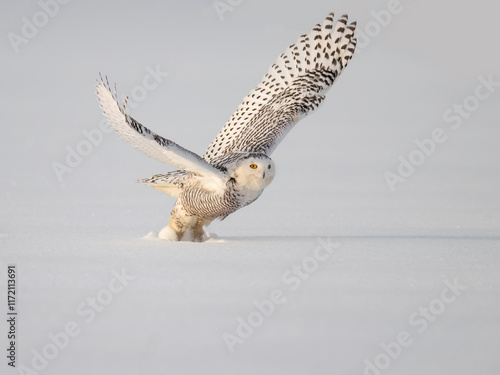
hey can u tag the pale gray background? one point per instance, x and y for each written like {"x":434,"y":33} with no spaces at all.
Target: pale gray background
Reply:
{"x":396,"y":248}
{"x":396,"y":90}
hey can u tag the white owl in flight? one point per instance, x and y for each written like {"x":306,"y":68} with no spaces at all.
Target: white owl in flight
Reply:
{"x":237,"y":166}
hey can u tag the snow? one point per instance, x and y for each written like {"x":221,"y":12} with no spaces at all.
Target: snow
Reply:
{"x":329,"y":264}
{"x":184,"y":297}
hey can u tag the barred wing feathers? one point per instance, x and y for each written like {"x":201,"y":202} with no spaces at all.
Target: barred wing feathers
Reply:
{"x":152,"y":144}
{"x":171,"y":183}
{"x":293,"y":87}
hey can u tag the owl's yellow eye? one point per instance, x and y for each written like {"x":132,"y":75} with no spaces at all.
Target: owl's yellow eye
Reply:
{"x":253,"y":166}
{"x":269,"y":166}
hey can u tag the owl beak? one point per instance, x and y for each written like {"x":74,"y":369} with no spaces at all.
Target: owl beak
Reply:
{"x":263,"y":175}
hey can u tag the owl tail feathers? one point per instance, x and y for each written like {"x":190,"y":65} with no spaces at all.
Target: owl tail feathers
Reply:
{"x":171,"y":183}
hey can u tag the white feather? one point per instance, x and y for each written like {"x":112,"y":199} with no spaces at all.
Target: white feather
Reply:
{"x":153,"y":145}
{"x":294,"y":86}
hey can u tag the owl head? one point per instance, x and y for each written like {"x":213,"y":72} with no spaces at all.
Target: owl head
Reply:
{"x":253,"y":171}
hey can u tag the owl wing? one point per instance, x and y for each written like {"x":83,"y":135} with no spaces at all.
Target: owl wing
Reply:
{"x":293,"y":87}
{"x":171,"y":183}
{"x":149,"y":143}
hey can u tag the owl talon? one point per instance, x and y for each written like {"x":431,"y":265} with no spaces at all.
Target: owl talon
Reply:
{"x":169,"y":234}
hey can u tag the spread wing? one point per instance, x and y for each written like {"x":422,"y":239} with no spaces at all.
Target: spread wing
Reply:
{"x":171,"y":183}
{"x":294,"y":86}
{"x":149,"y":143}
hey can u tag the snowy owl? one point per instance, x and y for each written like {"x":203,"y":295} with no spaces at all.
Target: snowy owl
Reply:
{"x":237,"y":166}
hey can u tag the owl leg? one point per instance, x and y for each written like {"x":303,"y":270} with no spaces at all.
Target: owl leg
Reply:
{"x":179,"y":222}
{"x":197,"y":230}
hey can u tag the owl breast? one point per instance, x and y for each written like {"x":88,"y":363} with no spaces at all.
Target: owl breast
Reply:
{"x":210,"y":205}
{"x":207,"y":204}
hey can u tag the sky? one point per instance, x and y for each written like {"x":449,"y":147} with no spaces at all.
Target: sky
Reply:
{"x":415,"y":61}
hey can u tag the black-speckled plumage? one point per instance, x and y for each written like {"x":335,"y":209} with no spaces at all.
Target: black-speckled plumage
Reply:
{"x":236,"y":167}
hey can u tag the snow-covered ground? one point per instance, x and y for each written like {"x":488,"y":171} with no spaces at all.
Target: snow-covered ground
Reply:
{"x":330,"y":271}
{"x":338,"y":291}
